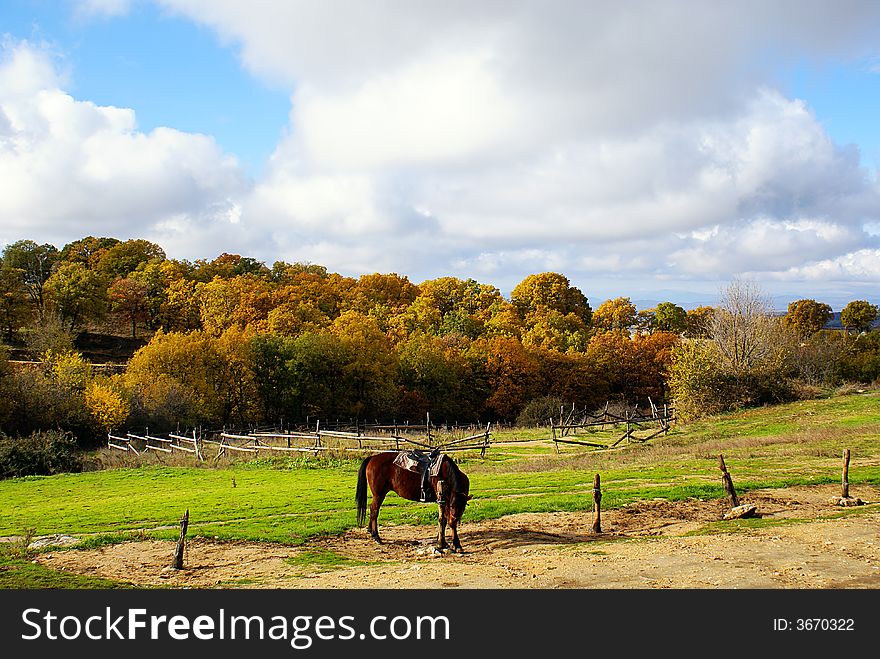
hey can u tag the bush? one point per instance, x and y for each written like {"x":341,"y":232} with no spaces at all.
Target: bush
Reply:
{"x":41,"y":453}
{"x":701,"y":384}
{"x":539,"y":411}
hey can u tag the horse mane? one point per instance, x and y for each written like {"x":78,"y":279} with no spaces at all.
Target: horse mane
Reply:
{"x":455,"y":476}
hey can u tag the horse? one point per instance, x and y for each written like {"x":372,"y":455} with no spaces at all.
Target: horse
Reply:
{"x":382,"y":476}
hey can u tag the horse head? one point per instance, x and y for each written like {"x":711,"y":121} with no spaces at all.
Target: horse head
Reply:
{"x":457,"y":492}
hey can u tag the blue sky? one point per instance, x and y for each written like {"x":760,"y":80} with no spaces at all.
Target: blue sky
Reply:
{"x":172,"y":71}
{"x":845,"y":98}
{"x":656,"y":151}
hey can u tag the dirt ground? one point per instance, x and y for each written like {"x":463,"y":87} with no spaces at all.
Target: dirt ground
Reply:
{"x":643,"y":545}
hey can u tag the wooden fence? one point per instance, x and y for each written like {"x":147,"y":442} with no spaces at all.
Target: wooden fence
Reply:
{"x":638,"y":426}
{"x":297,"y":441}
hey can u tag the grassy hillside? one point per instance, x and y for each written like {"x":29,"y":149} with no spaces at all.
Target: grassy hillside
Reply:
{"x":289,"y":501}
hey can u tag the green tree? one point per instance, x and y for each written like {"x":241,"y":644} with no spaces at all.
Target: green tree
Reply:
{"x":669,"y":317}
{"x":270,"y":357}
{"x":35,"y":263}
{"x":858,"y":315}
{"x":13,"y":299}
{"x":124,"y":258}
{"x":77,"y":293}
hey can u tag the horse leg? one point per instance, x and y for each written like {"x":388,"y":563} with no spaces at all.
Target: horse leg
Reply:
{"x":441,"y":539}
{"x":456,"y":543}
{"x":378,"y":498}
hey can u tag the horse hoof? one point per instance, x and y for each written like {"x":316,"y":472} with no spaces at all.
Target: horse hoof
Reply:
{"x":376,"y":539}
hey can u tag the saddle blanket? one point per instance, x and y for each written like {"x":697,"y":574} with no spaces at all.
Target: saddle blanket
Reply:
{"x":419,"y":461}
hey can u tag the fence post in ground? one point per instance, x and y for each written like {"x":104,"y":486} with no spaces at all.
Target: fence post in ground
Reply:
{"x":737,"y":510}
{"x":597,"y":498}
{"x":177,"y":564}
{"x":727,"y":481}
{"x":845,"y":499}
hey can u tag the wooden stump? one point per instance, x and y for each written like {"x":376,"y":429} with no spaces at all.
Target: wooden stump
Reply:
{"x":177,"y":563}
{"x":597,"y":498}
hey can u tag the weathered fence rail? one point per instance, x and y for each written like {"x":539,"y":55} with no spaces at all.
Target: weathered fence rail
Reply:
{"x":639,"y":426}
{"x":314,"y":442}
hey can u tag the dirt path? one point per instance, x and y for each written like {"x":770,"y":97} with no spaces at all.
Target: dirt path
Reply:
{"x":643,"y":545}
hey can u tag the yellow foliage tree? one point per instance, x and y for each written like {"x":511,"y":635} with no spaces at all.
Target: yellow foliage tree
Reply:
{"x":67,"y":368}
{"x":106,"y":405}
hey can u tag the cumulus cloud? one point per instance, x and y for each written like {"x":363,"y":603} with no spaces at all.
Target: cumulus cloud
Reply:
{"x":69,"y":168}
{"x":494,"y":139}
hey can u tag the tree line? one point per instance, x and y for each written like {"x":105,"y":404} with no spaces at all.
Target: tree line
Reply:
{"x":235,"y":342}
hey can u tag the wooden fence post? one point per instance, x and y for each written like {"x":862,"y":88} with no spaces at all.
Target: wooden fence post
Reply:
{"x":597,"y":498}
{"x":845,"y":499}
{"x":736,"y":509}
{"x":727,"y":481}
{"x":177,"y":564}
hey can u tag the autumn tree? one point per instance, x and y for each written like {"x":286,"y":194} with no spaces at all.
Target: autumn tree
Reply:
{"x":550,"y":329}
{"x":618,"y":314}
{"x":240,"y":302}
{"x":747,"y":359}
{"x":128,"y":299}
{"x":370,"y":363}
{"x":742,"y":327}
{"x":88,"y":251}
{"x":551,"y":291}
{"x":227,"y":266}
{"x":806,"y":317}
{"x":858,"y":315}
{"x":179,"y":311}
{"x":189,"y":367}
{"x":699,"y":321}
{"x":512,"y":376}
{"x":107,"y":406}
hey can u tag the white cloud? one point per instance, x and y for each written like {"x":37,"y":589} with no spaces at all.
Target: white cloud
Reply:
{"x":489,"y":139}
{"x":862,"y":266}
{"x":70,"y":168}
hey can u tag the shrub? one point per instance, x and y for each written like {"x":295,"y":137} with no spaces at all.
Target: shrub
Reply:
{"x":106,"y":405}
{"x":539,"y":411}
{"x":41,"y":453}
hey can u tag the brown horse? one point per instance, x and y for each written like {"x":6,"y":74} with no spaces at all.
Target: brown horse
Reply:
{"x":382,"y":476}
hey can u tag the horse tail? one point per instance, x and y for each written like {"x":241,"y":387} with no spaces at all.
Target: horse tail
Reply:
{"x":361,"y":492}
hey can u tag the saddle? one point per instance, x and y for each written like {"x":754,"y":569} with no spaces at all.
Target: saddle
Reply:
{"x":424,"y":463}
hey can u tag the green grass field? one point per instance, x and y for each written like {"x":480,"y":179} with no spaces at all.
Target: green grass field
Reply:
{"x":289,"y":501}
